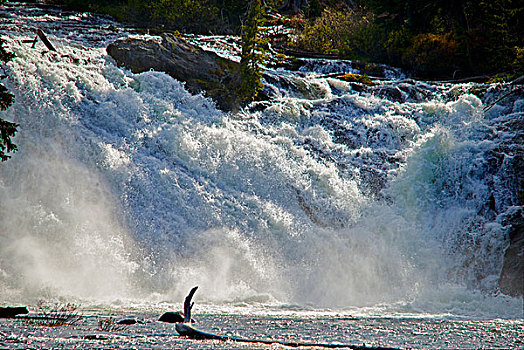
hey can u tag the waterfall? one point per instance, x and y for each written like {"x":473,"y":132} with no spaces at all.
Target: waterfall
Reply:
{"x":126,"y":185}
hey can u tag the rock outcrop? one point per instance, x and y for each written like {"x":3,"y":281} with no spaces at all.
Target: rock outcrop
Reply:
{"x":202,"y":71}
{"x":512,"y":275}
{"x":508,"y":159}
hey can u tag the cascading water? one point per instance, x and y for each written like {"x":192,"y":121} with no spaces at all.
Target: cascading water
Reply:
{"x":126,"y":185}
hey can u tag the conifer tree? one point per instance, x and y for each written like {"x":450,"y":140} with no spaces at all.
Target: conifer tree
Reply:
{"x":7,"y":129}
{"x":252,"y":54}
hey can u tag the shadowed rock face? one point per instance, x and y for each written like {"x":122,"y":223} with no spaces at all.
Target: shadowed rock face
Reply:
{"x":202,"y":71}
{"x":512,"y":276}
{"x":511,"y":153}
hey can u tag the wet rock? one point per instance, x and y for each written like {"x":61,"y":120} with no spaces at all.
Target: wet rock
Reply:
{"x":511,"y":280}
{"x":416,"y":91}
{"x":405,"y":91}
{"x":202,"y":71}
{"x":389,"y":92}
{"x":287,"y":62}
{"x":172,"y":317}
{"x":297,"y":60}
{"x":11,"y":312}
{"x":129,"y":321}
{"x":375,"y":69}
{"x":506,"y":162}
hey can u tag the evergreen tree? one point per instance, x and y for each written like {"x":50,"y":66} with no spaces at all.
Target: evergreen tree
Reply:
{"x":7,"y":129}
{"x":252,"y":54}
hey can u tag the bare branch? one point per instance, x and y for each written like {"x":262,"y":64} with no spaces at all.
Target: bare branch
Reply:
{"x":188,"y":305}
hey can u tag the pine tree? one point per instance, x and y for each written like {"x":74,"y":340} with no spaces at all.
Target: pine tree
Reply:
{"x":7,"y":129}
{"x":252,"y":54}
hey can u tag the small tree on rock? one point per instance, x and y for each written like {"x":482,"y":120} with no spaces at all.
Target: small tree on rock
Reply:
{"x":252,"y":54}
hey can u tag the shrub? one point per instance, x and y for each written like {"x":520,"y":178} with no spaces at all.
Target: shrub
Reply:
{"x":339,"y":32}
{"x":185,"y":14}
{"x":356,"y":78}
{"x":432,"y":53}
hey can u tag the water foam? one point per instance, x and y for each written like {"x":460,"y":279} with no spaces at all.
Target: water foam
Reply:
{"x":127,"y":185}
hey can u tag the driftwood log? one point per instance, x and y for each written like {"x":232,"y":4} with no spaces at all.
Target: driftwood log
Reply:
{"x":40,"y":34}
{"x":44,"y":39}
{"x":186,"y":329}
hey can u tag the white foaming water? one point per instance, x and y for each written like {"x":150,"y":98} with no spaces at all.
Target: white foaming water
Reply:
{"x":127,"y":186}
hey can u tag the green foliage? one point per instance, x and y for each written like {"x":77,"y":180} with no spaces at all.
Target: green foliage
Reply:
{"x":252,"y":54}
{"x":395,"y":43}
{"x":431,"y":53}
{"x":356,"y":78}
{"x":5,"y":55}
{"x":185,"y":14}
{"x":314,"y":9}
{"x":6,"y":98}
{"x":339,"y":32}
{"x":432,"y":38}
{"x":518,"y":61}
{"x":7,"y":129}
{"x":195,"y":16}
{"x":469,"y":36}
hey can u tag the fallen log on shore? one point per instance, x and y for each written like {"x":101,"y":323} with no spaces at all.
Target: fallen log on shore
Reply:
{"x":186,"y":329}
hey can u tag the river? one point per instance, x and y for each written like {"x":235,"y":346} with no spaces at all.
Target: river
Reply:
{"x":339,"y":214}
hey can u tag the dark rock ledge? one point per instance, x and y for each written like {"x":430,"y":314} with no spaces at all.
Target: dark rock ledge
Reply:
{"x":202,"y":71}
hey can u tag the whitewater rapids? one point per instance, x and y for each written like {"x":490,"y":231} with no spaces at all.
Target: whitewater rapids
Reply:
{"x":127,"y":187}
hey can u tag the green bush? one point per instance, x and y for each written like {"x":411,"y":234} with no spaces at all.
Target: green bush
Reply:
{"x":187,"y":15}
{"x":432,"y":54}
{"x":339,"y":32}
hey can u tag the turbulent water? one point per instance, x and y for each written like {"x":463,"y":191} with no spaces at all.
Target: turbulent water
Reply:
{"x":128,"y":189}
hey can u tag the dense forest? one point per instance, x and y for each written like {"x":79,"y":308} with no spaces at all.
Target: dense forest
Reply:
{"x":431,"y":39}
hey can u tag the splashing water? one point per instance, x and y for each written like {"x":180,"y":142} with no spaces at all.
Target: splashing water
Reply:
{"x":126,"y":185}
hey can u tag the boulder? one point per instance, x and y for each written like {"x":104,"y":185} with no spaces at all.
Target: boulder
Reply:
{"x":172,"y":317}
{"x":202,"y":71}
{"x":129,"y":321}
{"x":11,"y":312}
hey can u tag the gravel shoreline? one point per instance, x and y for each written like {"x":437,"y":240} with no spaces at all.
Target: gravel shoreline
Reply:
{"x":429,"y":333}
